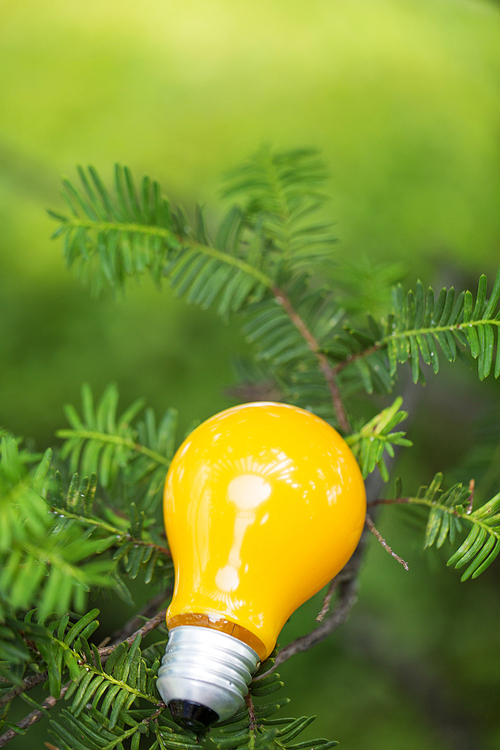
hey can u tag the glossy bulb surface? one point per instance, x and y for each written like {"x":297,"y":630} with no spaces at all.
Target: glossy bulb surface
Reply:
{"x":264,"y":504}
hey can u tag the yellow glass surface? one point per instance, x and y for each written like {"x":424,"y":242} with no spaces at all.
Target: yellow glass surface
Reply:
{"x":264,"y":504}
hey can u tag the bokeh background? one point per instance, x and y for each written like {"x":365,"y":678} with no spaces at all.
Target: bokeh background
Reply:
{"x":403,"y":99}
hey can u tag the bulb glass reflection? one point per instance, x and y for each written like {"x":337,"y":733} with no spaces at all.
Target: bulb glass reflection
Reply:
{"x":264,"y":504}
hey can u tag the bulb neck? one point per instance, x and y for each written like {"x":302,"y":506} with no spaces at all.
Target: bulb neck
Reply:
{"x":204,"y":675}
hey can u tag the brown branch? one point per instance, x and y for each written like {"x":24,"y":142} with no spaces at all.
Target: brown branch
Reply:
{"x":147,"y":628}
{"x":387,"y":501}
{"x":33,"y":717}
{"x":25,"y":685}
{"x":143,"y":543}
{"x":251,"y":712}
{"x":149,"y":610}
{"x":328,"y":598}
{"x":384,"y":544}
{"x":323,"y":362}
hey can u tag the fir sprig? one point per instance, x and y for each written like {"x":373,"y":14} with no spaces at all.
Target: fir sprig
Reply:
{"x":102,"y":443}
{"x":419,"y":326}
{"x":375,"y":438}
{"x":281,"y":191}
{"x":41,"y":562}
{"x":449,"y":512}
{"x":114,"y":236}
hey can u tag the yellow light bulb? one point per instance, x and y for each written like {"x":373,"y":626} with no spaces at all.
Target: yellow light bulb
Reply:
{"x":264,"y":504}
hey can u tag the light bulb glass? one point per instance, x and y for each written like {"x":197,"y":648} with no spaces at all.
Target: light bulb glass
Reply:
{"x":264,"y":504}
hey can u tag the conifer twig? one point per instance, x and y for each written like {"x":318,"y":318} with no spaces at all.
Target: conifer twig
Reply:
{"x":151,"y":624}
{"x":354,"y":357}
{"x":34,"y":716}
{"x":327,"y":599}
{"x":387,"y":501}
{"x":325,"y":367}
{"x":149,"y":611}
{"x":251,"y":712}
{"x":384,"y":544}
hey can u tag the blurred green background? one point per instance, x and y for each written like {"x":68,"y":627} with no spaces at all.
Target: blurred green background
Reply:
{"x":403,"y":99}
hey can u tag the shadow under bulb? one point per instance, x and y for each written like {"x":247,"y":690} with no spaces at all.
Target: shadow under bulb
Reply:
{"x":264,"y":504}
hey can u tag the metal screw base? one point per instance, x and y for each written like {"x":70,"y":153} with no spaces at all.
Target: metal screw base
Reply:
{"x":208,"y":668}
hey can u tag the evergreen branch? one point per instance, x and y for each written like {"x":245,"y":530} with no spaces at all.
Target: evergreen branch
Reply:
{"x":92,"y":732}
{"x":134,"y":544}
{"x":104,"y":653}
{"x":281,"y":190}
{"x":150,"y":625}
{"x":149,"y":612}
{"x":254,"y":728}
{"x":27,"y":684}
{"x":374,"y":438}
{"x":104,"y":438}
{"x":448,"y":511}
{"x":419,"y":323}
{"x":357,"y":356}
{"x":323,"y":363}
{"x":45,"y":562}
{"x":179,"y":241}
{"x":93,"y":521}
{"x":116,"y":237}
{"x":115,"y":448}
{"x":104,"y":443}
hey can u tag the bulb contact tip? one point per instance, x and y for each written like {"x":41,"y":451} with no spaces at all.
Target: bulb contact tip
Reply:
{"x":192,"y":716}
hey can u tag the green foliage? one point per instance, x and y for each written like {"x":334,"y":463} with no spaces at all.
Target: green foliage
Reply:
{"x":280,"y":192}
{"x":45,"y":561}
{"x":103,"y":697}
{"x":375,"y":437}
{"x":449,"y":512}
{"x":90,"y":516}
{"x":115,"y":237}
{"x":419,"y":323}
{"x":100,"y":442}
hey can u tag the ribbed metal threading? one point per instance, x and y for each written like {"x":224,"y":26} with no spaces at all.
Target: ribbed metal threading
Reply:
{"x":207,"y":667}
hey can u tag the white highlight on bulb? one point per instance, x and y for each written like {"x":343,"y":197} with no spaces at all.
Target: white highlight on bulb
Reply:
{"x":247,"y":492}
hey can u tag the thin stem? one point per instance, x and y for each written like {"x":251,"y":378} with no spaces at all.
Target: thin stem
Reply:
{"x":151,"y":624}
{"x":383,"y":342}
{"x":452,"y":511}
{"x":384,"y":544}
{"x":149,"y":611}
{"x":25,"y":685}
{"x":251,"y":713}
{"x":323,"y":363}
{"x":34,"y":716}
{"x":437,"y":329}
{"x":353,"y":357}
{"x":327,"y":600}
